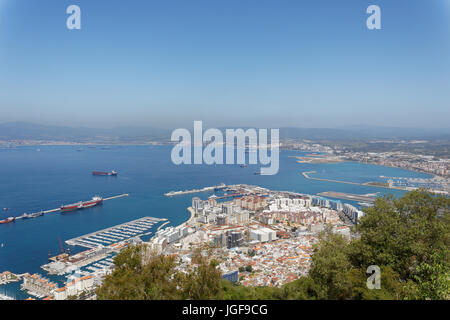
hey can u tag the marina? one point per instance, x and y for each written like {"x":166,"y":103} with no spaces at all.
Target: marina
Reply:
{"x":101,"y":246}
{"x":112,"y":235}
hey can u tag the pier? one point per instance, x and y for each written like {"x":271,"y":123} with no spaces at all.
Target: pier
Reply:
{"x":305,"y":174}
{"x":6,"y":297}
{"x":367,"y":184}
{"x":118,"y":233}
{"x":177,"y":193}
{"x":116,"y":197}
{"x":159,"y":228}
{"x":346,"y":196}
{"x":37,"y":214}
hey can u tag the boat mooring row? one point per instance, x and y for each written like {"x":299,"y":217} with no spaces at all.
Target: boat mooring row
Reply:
{"x":121,"y":232}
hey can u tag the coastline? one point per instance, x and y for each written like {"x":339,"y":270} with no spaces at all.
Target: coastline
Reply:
{"x":191,"y":218}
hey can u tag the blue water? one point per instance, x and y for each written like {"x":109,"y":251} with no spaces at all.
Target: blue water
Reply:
{"x":32,"y":180}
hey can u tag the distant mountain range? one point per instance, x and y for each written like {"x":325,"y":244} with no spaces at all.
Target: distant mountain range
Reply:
{"x":32,"y":131}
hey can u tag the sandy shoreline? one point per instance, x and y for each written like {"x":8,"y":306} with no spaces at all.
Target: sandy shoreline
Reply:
{"x":192,"y":212}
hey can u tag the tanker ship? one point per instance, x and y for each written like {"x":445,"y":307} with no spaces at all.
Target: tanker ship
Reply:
{"x":102,"y":173}
{"x":82,"y":205}
{"x":7,"y":220}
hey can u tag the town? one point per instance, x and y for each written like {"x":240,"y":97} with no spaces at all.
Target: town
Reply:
{"x":261,"y":237}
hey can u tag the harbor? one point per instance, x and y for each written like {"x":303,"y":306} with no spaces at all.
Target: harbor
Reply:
{"x":101,"y":246}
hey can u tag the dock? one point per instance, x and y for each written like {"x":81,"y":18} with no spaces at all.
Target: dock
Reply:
{"x":36,"y":214}
{"x":159,"y":228}
{"x":347,"y":196}
{"x":177,"y":193}
{"x":305,"y":174}
{"x":118,"y":233}
{"x":116,"y":197}
{"x":368,"y":184}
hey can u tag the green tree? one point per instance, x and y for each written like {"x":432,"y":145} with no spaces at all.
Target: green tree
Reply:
{"x":433,"y":278}
{"x":139,"y":276}
{"x":391,"y":286}
{"x":329,"y":267}
{"x":411,"y":235}
{"x":205,"y":281}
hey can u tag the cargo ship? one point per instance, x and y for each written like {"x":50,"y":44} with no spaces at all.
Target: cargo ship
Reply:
{"x":82,"y":205}
{"x":102,"y":173}
{"x":7,"y":220}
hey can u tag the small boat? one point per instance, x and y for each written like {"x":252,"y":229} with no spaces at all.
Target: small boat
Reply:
{"x":5,"y":209}
{"x":243,"y":166}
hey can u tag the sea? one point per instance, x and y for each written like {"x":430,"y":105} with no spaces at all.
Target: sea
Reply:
{"x":41,"y":178}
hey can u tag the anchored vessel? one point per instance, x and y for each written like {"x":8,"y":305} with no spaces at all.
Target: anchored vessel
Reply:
{"x":7,"y":220}
{"x":102,"y":173}
{"x":82,"y":205}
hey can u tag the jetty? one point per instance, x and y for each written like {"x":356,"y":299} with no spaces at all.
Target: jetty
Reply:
{"x":177,"y":193}
{"x":347,"y":196}
{"x":40,"y":213}
{"x":116,"y":197}
{"x":160,"y":227}
{"x":367,"y":184}
{"x":306,"y":175}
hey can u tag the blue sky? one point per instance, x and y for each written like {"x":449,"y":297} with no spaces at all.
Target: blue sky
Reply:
{"x":227,"y":62}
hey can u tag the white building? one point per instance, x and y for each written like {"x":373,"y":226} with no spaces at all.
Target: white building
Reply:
{"x":74,"y":288}
{"x":263,"y":235}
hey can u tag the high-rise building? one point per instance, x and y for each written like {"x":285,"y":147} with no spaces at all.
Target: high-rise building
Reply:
{"x":197,"y":204}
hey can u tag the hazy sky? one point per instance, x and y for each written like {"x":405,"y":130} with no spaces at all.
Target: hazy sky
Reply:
{"x":228,"y":62}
